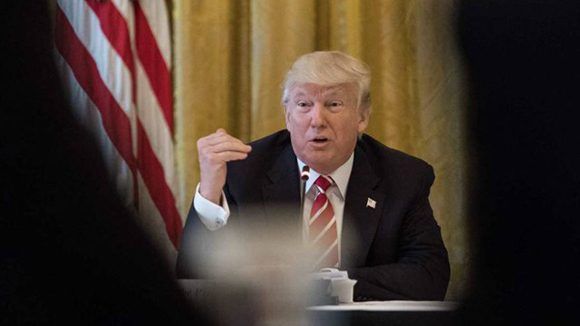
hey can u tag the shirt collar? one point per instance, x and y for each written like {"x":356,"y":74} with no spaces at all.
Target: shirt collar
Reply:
{"x":340,"y":175}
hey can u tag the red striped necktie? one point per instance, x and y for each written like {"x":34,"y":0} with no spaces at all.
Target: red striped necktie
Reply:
{"x":323,"y":234}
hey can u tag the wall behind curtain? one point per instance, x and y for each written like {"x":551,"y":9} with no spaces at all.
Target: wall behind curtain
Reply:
{"x":230,"y":61}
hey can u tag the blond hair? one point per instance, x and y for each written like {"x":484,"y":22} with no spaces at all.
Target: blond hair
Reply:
{"x":329,"y":68}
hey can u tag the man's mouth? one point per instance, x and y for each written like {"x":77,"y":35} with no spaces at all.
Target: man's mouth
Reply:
{"x":320,"y":140}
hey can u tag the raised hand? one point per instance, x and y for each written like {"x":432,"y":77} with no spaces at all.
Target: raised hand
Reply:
{"x":214,"y":151}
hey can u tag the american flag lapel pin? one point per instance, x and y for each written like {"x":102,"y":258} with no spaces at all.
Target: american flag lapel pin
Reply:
{"x":371,"y":203}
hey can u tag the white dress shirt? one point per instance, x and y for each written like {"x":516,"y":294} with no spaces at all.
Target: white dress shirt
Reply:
{"x":215,"y":216}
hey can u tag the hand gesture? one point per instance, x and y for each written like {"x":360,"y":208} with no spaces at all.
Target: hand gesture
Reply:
{"x":214,"y":151}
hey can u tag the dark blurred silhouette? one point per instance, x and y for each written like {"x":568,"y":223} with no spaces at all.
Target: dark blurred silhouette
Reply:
{"x":70,"y":252}
{"x":523,"y":61}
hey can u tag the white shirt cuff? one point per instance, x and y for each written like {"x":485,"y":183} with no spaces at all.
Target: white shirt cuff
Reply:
{"x":211,"y":215}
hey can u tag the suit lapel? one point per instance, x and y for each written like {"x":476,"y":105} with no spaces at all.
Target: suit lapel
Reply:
{"x":281,"y":193}
{"x":281,"y":189}
{"x":360,"y":219}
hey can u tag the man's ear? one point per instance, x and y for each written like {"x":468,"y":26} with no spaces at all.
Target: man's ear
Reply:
{"x":364,"y":119}
{"x":286,"y":115}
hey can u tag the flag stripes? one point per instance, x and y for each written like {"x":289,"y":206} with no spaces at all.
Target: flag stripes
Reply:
{"x":151,"y":171}
{"x":114,"y":26}
{"x":118,"y":54}
{"x":154,"y":64}
{"x":86,"y":71}
{"x":89,"y":116}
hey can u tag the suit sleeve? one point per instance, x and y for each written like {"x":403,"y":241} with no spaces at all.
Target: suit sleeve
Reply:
{"x":421,"y":271}
{"x":191,"y":245}
{"x":197,"y":242}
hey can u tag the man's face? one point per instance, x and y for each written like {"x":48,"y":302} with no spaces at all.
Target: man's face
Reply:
{"x":324,"y":123}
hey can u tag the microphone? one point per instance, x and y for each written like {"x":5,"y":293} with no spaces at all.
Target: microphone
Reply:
{"x":304,"y":175}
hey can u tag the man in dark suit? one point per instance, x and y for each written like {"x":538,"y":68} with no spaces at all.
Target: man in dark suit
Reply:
{"x":366,"y":207}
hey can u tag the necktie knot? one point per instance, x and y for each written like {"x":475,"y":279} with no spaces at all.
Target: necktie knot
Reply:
{"x":323,"y":182}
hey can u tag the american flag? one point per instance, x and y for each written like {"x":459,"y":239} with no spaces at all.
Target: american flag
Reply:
{"x":115,"y":60}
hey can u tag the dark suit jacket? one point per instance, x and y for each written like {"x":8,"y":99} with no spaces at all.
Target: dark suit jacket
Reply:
{"x":394,"y":250}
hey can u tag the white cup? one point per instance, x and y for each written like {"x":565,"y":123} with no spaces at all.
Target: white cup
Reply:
{"x":343,"y":289}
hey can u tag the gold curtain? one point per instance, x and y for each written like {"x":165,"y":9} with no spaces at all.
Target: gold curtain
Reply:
{"x":230,"y":61}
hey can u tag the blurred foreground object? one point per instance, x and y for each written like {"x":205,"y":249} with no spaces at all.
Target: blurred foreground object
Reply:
{"x":70,"y":252}
{"x":254,"y":279}
{"x":522,"y":59}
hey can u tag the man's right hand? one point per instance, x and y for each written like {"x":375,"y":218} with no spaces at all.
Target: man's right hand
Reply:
{"x":214,"y":151}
